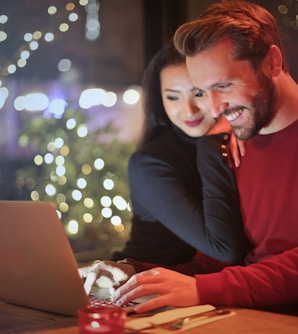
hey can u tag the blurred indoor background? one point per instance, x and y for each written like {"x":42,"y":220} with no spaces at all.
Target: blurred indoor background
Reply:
{"x":70,"y":103}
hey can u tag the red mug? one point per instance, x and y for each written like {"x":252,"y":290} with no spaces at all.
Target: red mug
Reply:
{"x":101,"y":320}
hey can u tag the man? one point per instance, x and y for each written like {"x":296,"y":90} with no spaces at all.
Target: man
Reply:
{"x":235,"y":59}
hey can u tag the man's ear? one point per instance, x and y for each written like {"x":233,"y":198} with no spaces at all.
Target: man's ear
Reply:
{"x":273,"y":61}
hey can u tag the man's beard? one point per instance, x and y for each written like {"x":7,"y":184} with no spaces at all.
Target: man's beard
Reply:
{"x":262,"y":110}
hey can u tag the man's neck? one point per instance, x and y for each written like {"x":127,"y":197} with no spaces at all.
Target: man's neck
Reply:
{"x":286,"y":104}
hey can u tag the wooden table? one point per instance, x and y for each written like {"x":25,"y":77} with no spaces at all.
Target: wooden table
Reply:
{"x":21,"y":320}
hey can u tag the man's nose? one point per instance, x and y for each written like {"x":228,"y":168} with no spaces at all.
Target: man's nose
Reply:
{"x":216,"y":104}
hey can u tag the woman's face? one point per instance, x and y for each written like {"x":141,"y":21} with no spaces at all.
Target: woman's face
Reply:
{"x":181,"y":102}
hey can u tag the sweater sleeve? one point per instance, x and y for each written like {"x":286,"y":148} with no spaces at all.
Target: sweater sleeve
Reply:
{"x":212,"y":226}
{"x":269,"y":282}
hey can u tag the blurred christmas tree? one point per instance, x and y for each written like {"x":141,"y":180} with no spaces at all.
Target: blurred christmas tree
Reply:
{"x":85,"y":175}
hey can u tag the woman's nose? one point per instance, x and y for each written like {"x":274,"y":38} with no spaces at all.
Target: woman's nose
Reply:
{"x":191,"y":109}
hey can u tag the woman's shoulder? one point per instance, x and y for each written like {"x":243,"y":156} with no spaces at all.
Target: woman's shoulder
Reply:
{"x":166,"y":149}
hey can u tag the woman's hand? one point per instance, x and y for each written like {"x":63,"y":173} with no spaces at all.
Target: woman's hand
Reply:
{"x":237,"y":150}
{"x":117,"y":272}
{"x":172,"y":289}
{"x":236,"y":146}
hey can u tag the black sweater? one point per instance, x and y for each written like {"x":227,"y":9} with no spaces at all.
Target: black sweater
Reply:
{"x":184,"y":198}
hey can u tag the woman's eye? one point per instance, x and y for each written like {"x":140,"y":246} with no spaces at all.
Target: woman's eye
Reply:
{"x":172,"y":98}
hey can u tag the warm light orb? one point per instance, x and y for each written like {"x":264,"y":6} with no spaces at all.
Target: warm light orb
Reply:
{"x":106,"y":212}
{"x":108,"y":184}
{"x":72,"y":227}
{"x":131,"y":96}
{"x":106,"y":201}
{"x":71,"y":123}
{"x":116,"y":220}
{"x":76,"y":195}
{"x":99,"y":164}
{"x":81,"y":183}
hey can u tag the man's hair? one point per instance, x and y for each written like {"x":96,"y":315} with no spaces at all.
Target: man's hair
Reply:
{"x":250,"y":27}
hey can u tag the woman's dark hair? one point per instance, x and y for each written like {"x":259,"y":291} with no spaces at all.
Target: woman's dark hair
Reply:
{"x":154,"y":113}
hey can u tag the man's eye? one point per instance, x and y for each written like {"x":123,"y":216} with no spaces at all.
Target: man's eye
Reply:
{"x":199,"y":93}
{"x":224,"y":86}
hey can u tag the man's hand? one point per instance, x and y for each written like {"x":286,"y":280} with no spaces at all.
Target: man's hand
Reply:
{"x":171,"y":288}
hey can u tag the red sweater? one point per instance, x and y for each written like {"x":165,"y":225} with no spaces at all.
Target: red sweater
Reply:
{"x":268,"y":186}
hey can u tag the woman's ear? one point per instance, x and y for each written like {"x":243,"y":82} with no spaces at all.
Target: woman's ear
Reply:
{"x":273,"y":61}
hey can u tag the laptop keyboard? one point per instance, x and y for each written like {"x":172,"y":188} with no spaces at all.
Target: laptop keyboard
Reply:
{"x":99,"y":302}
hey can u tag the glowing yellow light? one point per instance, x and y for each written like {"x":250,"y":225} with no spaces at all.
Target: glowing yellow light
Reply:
{"x":60,"y":160}
{"x":63,"y":27}
{"x":119,"y":228}
{"x":64,"y":150}
{"x":38,"y":160}
{"x":88,"y":202}
{"x":70,"y":6}
{"x":60,"y":198}
{"x":23,"y":140}
{"x":87,"y":217}
{"x":34,"y":195}
{"x":83,"y":2}
{"x":21,"y":63}
{"x":52,"y":10}
{"x":51,"y":146}
{"x":283,"y":9}
{"x":86,"y":169}
{"x":62,"y":180}
{"x":63,"y":207}
{"x":120,"y":203}
{"x":37,"y":34}
{"x":3,"y":36}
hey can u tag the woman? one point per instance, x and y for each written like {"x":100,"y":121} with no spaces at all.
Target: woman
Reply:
{"x":183,"y":192}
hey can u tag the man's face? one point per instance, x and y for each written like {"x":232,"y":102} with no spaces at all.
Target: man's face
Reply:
{"x":231,"y":88}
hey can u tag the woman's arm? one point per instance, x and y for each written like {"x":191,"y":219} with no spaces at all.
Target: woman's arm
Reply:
{"x":212,"y":225}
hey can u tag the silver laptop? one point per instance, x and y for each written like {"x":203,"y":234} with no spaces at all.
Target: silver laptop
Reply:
{"x":38,"y":268}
